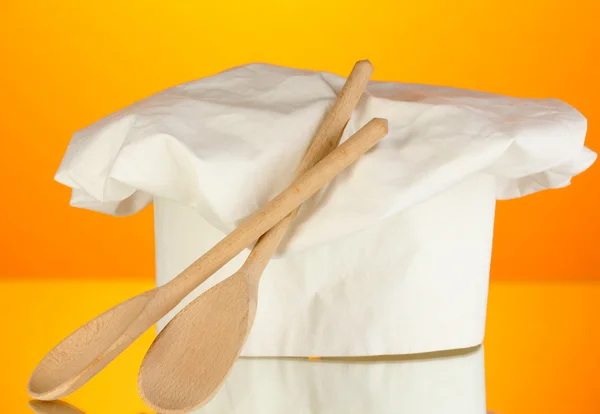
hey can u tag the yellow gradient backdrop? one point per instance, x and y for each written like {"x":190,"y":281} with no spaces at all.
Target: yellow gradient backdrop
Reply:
{"x":65,"y":64}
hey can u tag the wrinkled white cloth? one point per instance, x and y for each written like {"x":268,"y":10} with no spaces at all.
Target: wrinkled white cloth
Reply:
{"x":392,"y":257}
{"x":228,"y":143}
{"x":414,"y":282}
{"x":451,"y":384}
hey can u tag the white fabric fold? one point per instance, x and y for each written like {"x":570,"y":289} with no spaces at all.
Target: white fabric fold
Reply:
{"x":226,"y":144}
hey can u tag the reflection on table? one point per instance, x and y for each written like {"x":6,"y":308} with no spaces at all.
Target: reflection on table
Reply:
{"x":450,"y":382}
{"x":53,"y":407}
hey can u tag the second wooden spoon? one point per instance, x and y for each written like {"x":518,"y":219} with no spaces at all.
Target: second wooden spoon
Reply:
{"x":192,"y":356}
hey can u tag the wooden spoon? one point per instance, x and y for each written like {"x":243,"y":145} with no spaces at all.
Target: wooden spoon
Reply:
{"x":90,"y":348}
{"x":53,"y":407}
{"x":192,"y":356}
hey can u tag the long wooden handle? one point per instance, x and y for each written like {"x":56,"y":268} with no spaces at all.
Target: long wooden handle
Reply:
{"x":325,"y":140}
{"x":298,"y":192}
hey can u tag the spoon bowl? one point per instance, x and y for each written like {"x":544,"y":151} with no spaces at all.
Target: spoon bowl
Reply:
{"x":218,"y":331}
{"x":89,"y":349}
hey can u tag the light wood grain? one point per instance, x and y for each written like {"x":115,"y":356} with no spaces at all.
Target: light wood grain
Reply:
{"x":191,"y":358}
{"x":89,"y":349}
{"x":326,"y":139}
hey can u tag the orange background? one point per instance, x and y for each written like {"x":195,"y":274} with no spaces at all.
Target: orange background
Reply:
{"x":66,"y":64}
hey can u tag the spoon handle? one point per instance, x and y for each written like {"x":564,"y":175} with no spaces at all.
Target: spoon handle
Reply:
{"x":275,"y":210}
{"x":325,"y":140}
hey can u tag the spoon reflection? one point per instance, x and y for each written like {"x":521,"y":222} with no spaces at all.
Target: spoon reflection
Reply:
{"x":53,"y":407}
